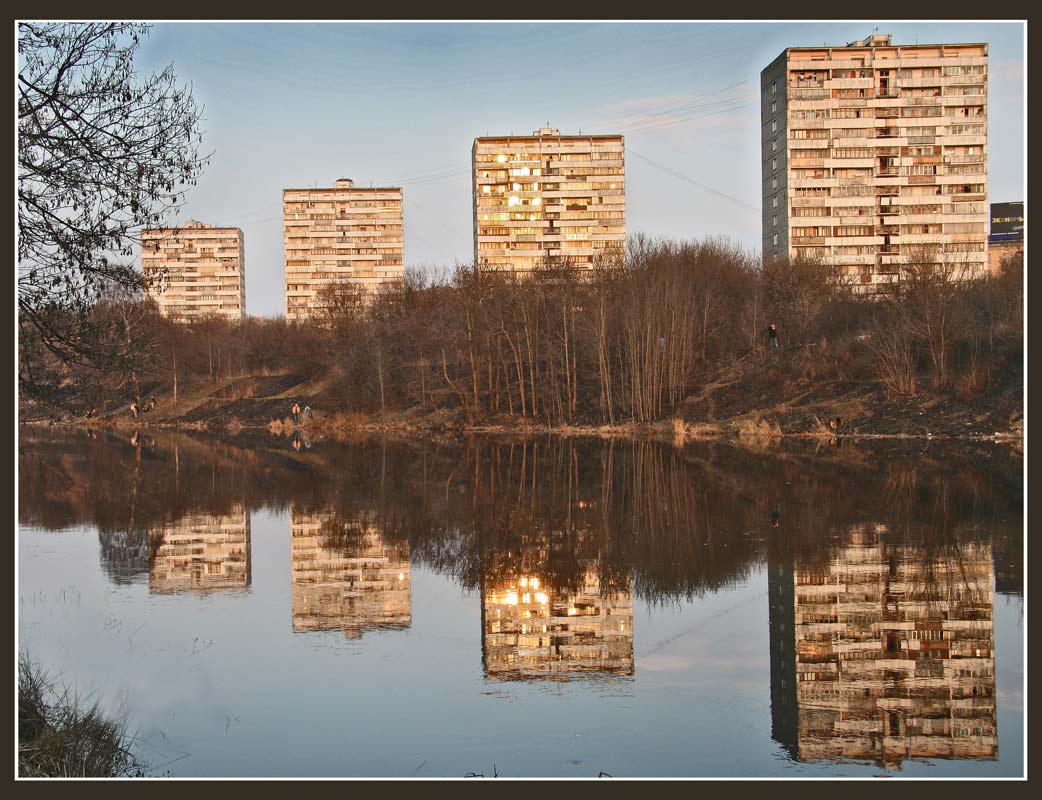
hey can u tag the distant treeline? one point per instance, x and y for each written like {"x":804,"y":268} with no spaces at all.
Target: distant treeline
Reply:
{"x":624,"y":343}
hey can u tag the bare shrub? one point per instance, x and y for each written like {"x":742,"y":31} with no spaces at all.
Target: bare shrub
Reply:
{"x":895,"y":354}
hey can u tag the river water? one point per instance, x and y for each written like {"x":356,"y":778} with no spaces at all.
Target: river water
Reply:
{"x":550,"y":607}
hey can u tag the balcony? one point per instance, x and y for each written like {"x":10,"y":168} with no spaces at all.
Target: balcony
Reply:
{"x":809,"y":94}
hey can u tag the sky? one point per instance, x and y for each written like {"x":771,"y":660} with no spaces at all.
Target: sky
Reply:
{"x":297,"y":105}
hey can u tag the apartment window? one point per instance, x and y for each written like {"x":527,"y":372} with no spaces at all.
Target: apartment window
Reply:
{"x":774,"y":126}
{"x":774,"y":88}
{"x":774,"y":183}
{"x":774,"y":220}
{"x":774,"y":201}
{"x":775,"y":239}
{"x":774,"y":163}
{"x":774,"y":106}
{"x":774,"y":145}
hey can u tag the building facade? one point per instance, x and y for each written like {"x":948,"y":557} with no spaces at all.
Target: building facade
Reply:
{"x":340,"y":234}
{"x":875,"y":156}
{"x":548,"y":196}
{"x":1006,"y":238}
{"x":195,"y":270}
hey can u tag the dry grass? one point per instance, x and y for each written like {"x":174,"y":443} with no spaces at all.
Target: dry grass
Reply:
{"x":821,"y":430}
{"x":758,"y":428}
{"x":685,"y":431}
{"x":59,"y":736}
{"x":971,"y":384}
{"x":343,"y":421}
{"x":281,"y":426}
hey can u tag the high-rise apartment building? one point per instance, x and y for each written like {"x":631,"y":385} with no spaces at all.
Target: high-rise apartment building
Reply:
{"x":344,"y":233}
{"x":195,"y":270}
{"x":548,"y":195}
{"x":874,"y":157}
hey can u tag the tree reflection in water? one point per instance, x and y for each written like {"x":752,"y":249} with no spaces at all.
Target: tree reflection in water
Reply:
{"x":882,"y":561}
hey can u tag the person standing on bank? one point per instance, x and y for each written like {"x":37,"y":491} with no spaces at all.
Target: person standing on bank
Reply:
{"x":296,"y":413}
{"x":772,"y":335}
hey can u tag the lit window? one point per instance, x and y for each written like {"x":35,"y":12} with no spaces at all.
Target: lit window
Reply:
{"x":501,"y":159}
{"x":775,"y":238}
{"x":536,"y":201}
{"x":513,"y":201}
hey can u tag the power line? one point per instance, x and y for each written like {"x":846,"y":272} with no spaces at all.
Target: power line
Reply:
{"x":687,"y":106}
{"x":722,"y":107}
{"x":687,"y":179}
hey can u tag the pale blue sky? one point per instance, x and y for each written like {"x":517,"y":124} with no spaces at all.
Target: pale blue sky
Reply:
{"x":290,"y":105}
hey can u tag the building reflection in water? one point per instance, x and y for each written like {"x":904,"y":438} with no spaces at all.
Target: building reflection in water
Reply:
{"x":201,"y":553}
{"x":533,"y":630}
{"x":885,"y":653}
{"x":346,"y":577}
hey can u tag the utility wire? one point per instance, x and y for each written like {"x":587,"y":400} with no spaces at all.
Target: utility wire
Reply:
{"x":687,"y":179}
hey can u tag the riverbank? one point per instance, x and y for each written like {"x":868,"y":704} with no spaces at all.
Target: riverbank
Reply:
{"x":751,"y":398}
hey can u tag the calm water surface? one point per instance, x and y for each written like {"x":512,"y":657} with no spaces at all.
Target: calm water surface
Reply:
{"x":541,"y":608}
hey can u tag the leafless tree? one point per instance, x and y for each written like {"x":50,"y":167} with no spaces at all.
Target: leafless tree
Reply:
{"x":102,"y":152}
